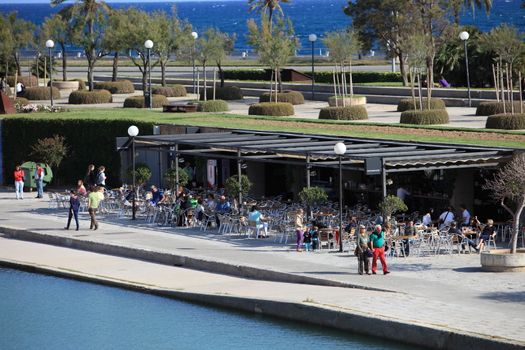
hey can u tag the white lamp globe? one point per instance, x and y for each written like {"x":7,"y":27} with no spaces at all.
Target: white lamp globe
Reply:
{"x":50,"y":43}
{"x":312,"y":38}
{"x":194,"y":35}
{"x":340,"y":148}
{"x":148,"y":44}
{"x":133,"y":131}
{"x":464,"y":36}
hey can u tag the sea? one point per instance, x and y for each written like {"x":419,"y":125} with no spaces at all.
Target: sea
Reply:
{"x":308,"y":16}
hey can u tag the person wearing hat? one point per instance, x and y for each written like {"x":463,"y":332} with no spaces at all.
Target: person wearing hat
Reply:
{"x":363,"y":251}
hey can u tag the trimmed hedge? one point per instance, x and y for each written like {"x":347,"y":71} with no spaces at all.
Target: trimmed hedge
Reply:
{"x":408,"y":104}
{"x":320,"y":77}
{"x":280,"y":109}
{"x":26,"y":80}
{"x":20,"y":101}
{"x":84,"y":97}
{"x":213,"y":106}
{"x":40,"y":93}
{"x":357,"y":112}
{"x":227,"y":93}
{"x":116,"y":87}
{"x":138,"y":101}
{"x":425,"y":117}
{"x":492,"y":108}
{"x":293,"y":97}
{"x":170,"y":91}
{"x":506,"y":121}
{"x":89,"y":142}
{"x":81,"y":83}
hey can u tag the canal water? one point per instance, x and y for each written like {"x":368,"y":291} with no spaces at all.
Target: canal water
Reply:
{"x":45,"y":312}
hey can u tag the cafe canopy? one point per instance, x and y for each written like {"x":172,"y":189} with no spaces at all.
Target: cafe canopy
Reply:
{"x":371,"y":156}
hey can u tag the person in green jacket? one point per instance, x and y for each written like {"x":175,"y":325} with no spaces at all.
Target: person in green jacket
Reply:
{"x":377,"y":239}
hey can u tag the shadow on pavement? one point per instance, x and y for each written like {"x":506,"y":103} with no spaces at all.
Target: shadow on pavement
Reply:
{"x":507,"y":297}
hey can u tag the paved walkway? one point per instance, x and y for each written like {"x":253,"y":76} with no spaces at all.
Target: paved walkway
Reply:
{"x":442,"y":291}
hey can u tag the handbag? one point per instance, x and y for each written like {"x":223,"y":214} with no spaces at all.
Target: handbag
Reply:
{"x":369,"y":253}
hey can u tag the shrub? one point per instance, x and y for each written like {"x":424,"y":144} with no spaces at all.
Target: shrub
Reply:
{"x":493,"y":108}
{"x":170,"y":176}
{"x":81,"y":83}
{"x":293,"y":97}
{"x":142,"y":174}
{"x":357,"y":112}
{"x":231,"y":185}
{"x":40,"y":93}
{"x":408,"y":104}
{"x":213,"y":106}
{"x":28,"y":81}
{"x":83,"y":97}
{"x":426,"y":117}
{"x":271,"y":108}
{"x":170,"y":91}
{"x":138,"y":101}
{"x":116,"y":87}
{"x":313,"y":195}
{"x":20,"y":101}
{"x":506,"y":121}
{"x":226,"y":93}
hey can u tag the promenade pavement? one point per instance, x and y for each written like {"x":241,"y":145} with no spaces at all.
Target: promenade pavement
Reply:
{"x":447,"y":292}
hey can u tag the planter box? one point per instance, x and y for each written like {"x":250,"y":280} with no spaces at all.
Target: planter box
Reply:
{"x":349,"y":101}
{"x":500,"y":260}
{"x":66,"y":87}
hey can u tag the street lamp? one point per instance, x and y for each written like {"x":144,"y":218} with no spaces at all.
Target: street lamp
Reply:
{"x":464,"y":36}
{"x":195,"y":37}
{"x":148,"y":44}
{"x":50,"y":44}
{"x":133,"y":131}
{"x":312,"y":38}
{"x":340,"y":150}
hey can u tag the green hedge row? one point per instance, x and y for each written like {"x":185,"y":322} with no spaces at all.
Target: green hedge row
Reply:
{"x":506,"y":121}
{"x":138,"y":101}
{"x":89,"y":142}
{"x":492,"y":108}
{"x":213,"y":106}
{"x":175,"y":90}
{"x":116,"y":87}
{"x":320,"y":77}
{"x":277,"y":109}
{"x":227,"y":93}
{"x":83,"y":97}
{"x":39,"y":93}
{"x":293,"y":97}
{"x":344,"y":113}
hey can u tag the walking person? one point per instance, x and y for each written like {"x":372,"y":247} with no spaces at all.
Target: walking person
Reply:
{"x":101,"y":177}
{"x":19,"y":176}
{"x":377,"y":240}
{"x":94,"y":199}
{"x":90,"y":177}
{"x":362,"y":251}
{"x":39,"y":179}
{"x":299,"y":228}
{"x":74,"y":205}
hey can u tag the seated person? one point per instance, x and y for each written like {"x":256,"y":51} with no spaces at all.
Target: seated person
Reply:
{"x":446,"y":218}
{"x":223,"y":206}
{"x":455,"y":231}
{"x":157,"y":196}
{"x":410,"y":230}
{"x":199,"y":209}
{"x":256,"y":216}
{"x":427,"y":219}
{"x":192,"y":201}
{"x":210,"y":202}
{"x":488,"y":231}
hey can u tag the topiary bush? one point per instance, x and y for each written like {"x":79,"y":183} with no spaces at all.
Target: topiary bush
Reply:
{"x":493,"y":108}
{"x":293,"y":97}
{"x":271,"y":108}
{"x":506,"y":121}
{"x":408,"y":104}
{"x":227,"y":93}
{"x":40,"y":93}
{"x":170,"y":91}
{"x":344,"y":113}
{"x":28,"y":81}
{"x":84,"y":97}
{"x":425,"y":117}
{"x":138,"y":101}
{"x":213,"y":106}
{"x":116,"y":87}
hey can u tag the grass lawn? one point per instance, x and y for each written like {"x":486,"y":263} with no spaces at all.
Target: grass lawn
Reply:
{"x":480,"y":137}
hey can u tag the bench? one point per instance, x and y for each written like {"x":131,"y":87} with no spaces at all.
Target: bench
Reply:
{"x":179,"y":108}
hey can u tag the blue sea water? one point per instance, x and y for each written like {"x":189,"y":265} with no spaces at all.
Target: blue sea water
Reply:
{"x":44,"y":312}
{"x":308,"y":16}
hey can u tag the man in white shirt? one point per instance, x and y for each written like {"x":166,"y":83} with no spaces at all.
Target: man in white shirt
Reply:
{"x":465,"y":216}
{"x":446,"y":218}
{"x":427,"y":218}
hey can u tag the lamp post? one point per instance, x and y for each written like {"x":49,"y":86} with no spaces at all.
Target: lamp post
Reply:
{"x":195,"y":37}
{"x":50,"y":44}
{"x":148,"y":44}
{"x":340,"y":150}
{"x":313,"y":38}
{"x":133,"y":131}
{"x":464,"y":36}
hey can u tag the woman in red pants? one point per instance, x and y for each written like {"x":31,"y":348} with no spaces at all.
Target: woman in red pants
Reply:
{"x":377,"y":238}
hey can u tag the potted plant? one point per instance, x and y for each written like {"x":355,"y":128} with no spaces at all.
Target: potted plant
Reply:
{"x":391,"y":205}
{"x":232,"y":186}
{"x":311,"y":196}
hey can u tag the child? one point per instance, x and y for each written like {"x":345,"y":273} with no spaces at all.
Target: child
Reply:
{"x":307,"y":240}
{"x":314,"y":233}
{"x":74,"y":205}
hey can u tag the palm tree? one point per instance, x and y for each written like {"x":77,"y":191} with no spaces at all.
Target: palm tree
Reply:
{"x":457,"y":5}
{"x":263,"y":6}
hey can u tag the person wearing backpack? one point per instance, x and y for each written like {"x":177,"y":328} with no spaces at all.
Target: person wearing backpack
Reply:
{"x":39,"y":179}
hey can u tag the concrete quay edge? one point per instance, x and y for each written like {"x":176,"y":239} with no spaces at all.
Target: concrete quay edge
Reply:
{"x":171,"y":259}
{"x":425,"y":335}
